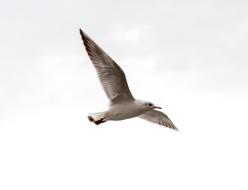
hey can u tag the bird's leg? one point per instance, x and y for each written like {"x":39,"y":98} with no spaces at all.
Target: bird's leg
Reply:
{"x":99,"y":121}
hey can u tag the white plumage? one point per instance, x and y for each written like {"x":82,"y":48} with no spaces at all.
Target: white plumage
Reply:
{"x":122,"y":103}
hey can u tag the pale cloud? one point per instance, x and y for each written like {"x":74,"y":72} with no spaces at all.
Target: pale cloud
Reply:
{"x":130,"y":36}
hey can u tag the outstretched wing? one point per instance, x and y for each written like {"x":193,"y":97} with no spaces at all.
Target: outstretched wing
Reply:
{"x":158,"y":117}
{"x":111,"y":76}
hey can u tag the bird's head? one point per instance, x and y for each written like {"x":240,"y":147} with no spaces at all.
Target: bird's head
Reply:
{"x":149,"y":106}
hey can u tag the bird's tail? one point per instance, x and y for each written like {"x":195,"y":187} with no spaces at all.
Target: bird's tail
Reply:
{"x":97,"y":118}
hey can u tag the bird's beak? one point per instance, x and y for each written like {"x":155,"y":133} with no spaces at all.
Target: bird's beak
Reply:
{"x":156,"y":107}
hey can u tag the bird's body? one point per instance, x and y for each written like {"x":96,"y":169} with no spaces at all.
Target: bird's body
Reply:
{"x":122,"y":111}
{"x":122,"y":103}
{"x":126,"y":110}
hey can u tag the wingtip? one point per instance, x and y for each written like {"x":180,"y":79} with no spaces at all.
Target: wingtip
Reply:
{"x":81,"y":31}
{"x":82,"y":34}
{"x":176,"y":129}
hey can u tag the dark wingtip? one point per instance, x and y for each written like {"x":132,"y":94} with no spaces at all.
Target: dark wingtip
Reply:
{"x":176,"y":129}
{"x":84,"y":36}
{"x":81,"y":32}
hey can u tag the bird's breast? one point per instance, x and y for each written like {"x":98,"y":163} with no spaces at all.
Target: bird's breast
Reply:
{"x":124,"y":111}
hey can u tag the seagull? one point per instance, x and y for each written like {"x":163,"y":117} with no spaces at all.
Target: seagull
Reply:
{"x":113,"y":80}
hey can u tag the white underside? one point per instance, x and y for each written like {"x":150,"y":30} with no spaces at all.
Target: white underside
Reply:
{"x":120,"y":112}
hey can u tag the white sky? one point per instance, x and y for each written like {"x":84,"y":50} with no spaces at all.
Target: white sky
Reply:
{"x":189,"y":58}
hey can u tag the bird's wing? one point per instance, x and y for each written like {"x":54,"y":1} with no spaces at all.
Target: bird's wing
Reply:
{"x":158,"y":117}
{"x":111,"y":76}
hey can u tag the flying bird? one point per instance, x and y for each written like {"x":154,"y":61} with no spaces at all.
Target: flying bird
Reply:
{"x":113,"y":80}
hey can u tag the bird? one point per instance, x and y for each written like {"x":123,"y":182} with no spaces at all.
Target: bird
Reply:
{"x":113,"y":80}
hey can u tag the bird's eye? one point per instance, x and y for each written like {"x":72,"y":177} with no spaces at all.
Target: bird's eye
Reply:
{"x":150,"y":104}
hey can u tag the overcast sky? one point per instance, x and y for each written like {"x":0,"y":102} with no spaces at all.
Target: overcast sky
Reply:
{"x":190,"y":58}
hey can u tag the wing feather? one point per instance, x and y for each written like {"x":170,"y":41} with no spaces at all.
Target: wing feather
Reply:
{"x":112,"y":77}
{"x":158,"y":117}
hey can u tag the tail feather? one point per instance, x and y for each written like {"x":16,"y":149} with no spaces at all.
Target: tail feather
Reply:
{"x":96,"y":118}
